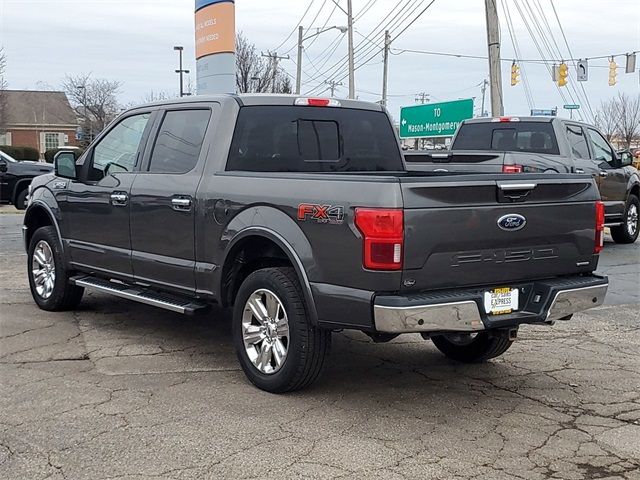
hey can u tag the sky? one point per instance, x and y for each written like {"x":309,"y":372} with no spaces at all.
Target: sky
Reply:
{"x":132,"y":41}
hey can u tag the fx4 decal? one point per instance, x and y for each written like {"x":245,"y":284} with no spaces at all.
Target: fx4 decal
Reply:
{"x":333,"y":214}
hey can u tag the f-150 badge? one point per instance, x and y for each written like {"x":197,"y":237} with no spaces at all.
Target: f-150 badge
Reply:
{"x":333,"y":214}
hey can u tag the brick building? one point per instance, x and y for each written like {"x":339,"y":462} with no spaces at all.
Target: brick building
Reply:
{"x":39,"y":119}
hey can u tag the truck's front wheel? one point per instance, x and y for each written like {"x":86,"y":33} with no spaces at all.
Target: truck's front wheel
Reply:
{"x":474,"y":347}
{"x":628,"y":231}
{"x":48,"y":277}
{"x":277,"y":346}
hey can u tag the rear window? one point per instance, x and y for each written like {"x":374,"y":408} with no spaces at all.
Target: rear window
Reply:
{"x":533,"y":137}
{"x":313,"y":139}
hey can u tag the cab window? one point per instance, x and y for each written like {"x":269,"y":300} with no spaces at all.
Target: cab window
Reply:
{"x":577,"y":141}
{"x":117,"y":151}
{"x":601,"y":150}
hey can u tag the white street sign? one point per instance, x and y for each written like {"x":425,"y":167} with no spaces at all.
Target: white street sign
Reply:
{"x":583,"y":70}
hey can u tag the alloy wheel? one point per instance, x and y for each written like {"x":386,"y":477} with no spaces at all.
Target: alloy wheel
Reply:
{"x":265,"y":331}
{"x":43,"y":269}
{"x":632,"y":219}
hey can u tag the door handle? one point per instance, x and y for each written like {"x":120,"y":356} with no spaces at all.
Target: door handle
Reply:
{"x":181,"y":204}
{"x":119,"y":199}
{"x":603,"y":174}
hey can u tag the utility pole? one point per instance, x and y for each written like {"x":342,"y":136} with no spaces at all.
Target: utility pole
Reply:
{"x":493,"y":45}
{"x":275,"y":59}
{"x":181,"y":70}
{"x":385,"y":73}
{"x":299,"y":65}
{"x":352,"y":80}
{"x":422,"y":97}
{"x":485,"y":82}
{"x":332,"y":86}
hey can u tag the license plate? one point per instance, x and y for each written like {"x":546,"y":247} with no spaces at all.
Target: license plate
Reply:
{"x":501,"y":300}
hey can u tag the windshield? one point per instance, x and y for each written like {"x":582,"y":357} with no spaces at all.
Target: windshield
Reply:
{"x":313,"y":139}
{"x":6,"y":157}
{"x":532,"y":137}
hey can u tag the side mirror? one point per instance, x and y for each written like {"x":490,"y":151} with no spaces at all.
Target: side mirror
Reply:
{"x":65,"y":165}
{"x":3,"y":165}
{"x":625,"y":159}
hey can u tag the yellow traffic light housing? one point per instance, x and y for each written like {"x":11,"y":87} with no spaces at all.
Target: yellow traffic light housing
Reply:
{"x":563,"y":73}
{"x":515,"y":74}
{"x":613,"y":71}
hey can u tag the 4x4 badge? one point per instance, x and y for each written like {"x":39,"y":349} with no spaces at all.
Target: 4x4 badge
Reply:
{"x":333,"y":214}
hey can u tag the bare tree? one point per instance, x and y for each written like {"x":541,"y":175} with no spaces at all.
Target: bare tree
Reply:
{"x":95,"y":96}
{"x":3,"y":95}
{"x":628,"y":117}
{"x":255,"y":73}
{"x":607,"y":119}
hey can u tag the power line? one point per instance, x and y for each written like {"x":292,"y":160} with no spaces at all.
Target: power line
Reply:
{"x":572,"y":60}
{"x":401,"y":15}
{"x":516,"y":49}
{"x":296,"y":27}
{"x":338,"y":66}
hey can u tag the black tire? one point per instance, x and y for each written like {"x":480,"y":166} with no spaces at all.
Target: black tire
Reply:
{"x":63,"y":295}
{"x":21,"y":200}
{"x":306,"y":345}
{"x":628,"y":231}
{"x":482,"y":347}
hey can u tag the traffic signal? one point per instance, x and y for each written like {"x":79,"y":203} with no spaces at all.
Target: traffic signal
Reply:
{"x":563,"y":73}
{"x":613,"y":71}
{"x":515,"y":74}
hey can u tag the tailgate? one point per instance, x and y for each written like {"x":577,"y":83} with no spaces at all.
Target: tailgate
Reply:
{"x":453,"y":237}
{"x":461,"y":161}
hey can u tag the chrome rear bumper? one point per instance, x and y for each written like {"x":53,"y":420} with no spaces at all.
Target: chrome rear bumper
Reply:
{"x":462,"y":311}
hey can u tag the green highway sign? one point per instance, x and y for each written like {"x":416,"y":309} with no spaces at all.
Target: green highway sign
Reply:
{"x":434,"y":119}
{"x":572,"y":107}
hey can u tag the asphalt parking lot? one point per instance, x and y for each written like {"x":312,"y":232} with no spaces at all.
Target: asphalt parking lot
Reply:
{"x":123,"y":390}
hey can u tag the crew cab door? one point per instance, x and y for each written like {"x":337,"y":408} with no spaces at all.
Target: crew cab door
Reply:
{"x":163,"y":201}
{"x":95,"y":207}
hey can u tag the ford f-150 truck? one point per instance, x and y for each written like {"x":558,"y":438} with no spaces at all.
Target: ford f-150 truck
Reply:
{"x":298,"y":214}
{"x":15,"y":178}
{"x":545,"y":145}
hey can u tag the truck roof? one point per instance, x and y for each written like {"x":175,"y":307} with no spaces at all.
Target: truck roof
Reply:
{"x":540,"y":119}
{"x":247,"y":99}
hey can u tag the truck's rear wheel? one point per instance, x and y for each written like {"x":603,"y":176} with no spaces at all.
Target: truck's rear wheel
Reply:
{"x":48,"y":277}
{"x":628,"y":231}
{"x":277,"y":346}
{"x":474,"y":347}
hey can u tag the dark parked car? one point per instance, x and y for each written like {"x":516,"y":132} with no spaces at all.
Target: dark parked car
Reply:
{"x":545,"y":145}
{"x":15,"y":178}
{"x":299,"y":215}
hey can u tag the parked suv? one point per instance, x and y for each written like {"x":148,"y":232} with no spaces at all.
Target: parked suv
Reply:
{"x":299,"y":215}
{"x":545,"y":145}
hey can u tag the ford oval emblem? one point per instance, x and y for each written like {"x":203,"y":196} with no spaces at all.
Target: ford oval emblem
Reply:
{"x":512,"y":222}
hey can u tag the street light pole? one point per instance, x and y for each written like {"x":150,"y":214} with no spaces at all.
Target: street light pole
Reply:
{"x":352,"y":81}
{"x":301,"y":39}
{"x":493,"y":45}
{"x":299,"y":65}
{"x":385,"y":73}
{"x":179,"y":49}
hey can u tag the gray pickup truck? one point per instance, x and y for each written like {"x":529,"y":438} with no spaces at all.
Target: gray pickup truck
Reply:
{"x":298,"y":214}
{"x":545,"y":145}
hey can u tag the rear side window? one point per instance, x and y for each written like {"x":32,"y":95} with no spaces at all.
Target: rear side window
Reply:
{"x":577,"y":141}
{"x":313,"y":139}
{"x":179,"y":141}
{"x":532,"y":137}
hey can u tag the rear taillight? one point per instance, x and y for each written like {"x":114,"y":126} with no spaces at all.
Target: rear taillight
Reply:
{"x":599,"y":243}
{"x":511,"y":168}
{"x":383,"y":233}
